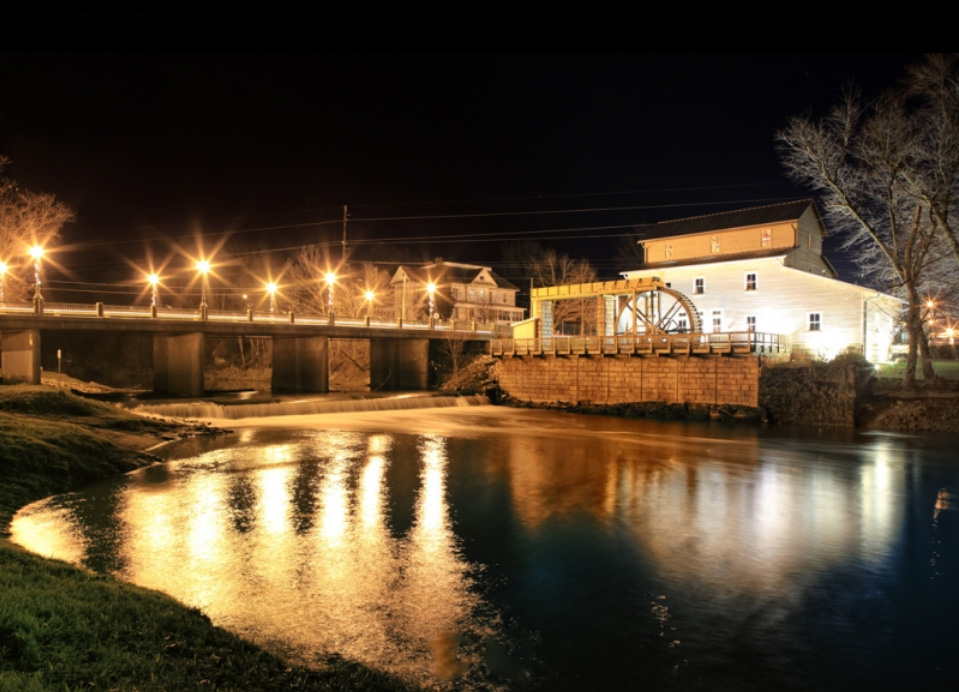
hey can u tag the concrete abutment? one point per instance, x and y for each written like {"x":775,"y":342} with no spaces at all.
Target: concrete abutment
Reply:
{"x":20,"y":356}
{"x":178,"y":364}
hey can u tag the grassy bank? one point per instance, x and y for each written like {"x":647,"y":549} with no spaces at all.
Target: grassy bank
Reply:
{"x":63,"y":628}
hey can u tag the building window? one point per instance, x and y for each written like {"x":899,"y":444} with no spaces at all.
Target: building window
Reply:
{"x":682,"y":323}
{"x":767,"y":237}
{"x":699,"y":285}
{"x":751,"y":281}
{"x":472,"y":295}
{"x":714,"y":244}
{"x":750,"y":323}
{"x":717,"y":321}
{"x":669,"y":250}
{"x":815,"y":321}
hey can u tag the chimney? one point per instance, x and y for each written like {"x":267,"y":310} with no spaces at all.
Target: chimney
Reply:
{"x":439,"y":261}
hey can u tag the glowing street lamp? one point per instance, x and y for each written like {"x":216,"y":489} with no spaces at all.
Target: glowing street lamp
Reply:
{"x":203,"y":267}
{"x":37,"y":253}
{"x":431,"y":290}
{"x":330,"y":282}
{"x":153,"y":280}
{"x":3,"y":273}
{"x":271,"y":289}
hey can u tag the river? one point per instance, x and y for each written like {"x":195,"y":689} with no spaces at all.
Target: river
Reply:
{"x":484,"y":547}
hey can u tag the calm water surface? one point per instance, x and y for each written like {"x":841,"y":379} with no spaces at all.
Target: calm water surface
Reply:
{"x":492,"y":548}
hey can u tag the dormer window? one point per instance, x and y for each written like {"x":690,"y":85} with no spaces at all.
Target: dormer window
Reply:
{"x":714,"y":243}
{"x":669,"y":250}
{"x":767,"y":237}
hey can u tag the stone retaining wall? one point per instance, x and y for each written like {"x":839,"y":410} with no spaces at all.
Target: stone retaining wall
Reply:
{"x":630,"y":379}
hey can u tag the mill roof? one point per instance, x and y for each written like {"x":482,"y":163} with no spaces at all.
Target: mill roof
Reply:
{"x":739,"y":218}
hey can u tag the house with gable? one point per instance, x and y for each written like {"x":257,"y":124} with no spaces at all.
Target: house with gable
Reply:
{"x":762,"y":270}
{"x":462,"y":292}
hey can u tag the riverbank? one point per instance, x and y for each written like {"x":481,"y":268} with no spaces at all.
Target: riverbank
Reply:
{"x":67,"y":628}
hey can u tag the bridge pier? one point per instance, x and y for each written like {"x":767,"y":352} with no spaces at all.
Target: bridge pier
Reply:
{"x":178,"y":364}
{"x":397,"y":364}
{"x":20,"y":356}
{"x":301,"y":364}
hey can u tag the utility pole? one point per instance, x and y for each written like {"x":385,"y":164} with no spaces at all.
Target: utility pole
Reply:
{"x":345,"y":217}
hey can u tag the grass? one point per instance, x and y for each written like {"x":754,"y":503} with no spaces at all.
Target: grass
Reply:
{"x":945,"y":369}
{"x":64,"y":628}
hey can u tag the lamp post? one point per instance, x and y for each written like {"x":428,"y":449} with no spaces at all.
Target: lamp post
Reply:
{"x":431,"y":290}
{"x":3,"y":273}
{"x":154,"y":280}
{"x":203,"y":267}
{"x":271,"y":289}
{"x":330,"y":282}
{"x":37,"y":253}
{"x":369,"y":295}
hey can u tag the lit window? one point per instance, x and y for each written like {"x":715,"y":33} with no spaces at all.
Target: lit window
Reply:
{"x":750,"y":323}
{"x":750,"y":281}
{"x":714,"y":244}
{"x":815,"y":321}
{"x":767,"y":237}
{"x":669,"y":250}
{"x":699,"y":285}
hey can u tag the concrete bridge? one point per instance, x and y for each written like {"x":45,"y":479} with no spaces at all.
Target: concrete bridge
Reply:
{"x":399,"y":353}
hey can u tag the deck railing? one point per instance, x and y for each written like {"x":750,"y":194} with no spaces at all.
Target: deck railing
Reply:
{"x":632,"y":344}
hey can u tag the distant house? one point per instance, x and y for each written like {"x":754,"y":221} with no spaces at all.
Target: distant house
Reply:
{"x":762,"y":270}
{"x":462,"y":292}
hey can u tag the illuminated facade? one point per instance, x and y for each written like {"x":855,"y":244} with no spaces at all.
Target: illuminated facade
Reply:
{"x":762,"y":270}
{"x":463,"y":292}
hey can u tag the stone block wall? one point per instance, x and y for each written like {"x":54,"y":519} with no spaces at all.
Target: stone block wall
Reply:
{"x":631,"y":379}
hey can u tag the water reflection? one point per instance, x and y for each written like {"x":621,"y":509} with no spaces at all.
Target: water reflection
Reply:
{"x":291,"y":545}
{"x":599,"y":554}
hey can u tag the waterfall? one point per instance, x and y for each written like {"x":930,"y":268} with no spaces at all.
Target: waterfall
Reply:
{"x":302,"y":407}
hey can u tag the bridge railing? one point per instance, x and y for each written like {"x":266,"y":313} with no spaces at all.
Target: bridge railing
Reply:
{"x":665,"y":344}
{"x":103,"y":311}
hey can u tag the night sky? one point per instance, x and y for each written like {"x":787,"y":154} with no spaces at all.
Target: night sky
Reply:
{"x":435,"y":155}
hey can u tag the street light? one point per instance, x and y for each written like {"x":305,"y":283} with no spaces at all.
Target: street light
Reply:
{"x":37,"y":253}
{"x":369,"y":295}
{"x":154,"y":280}
{"x":271,"y":289}
{"x":330,"y":281}
{"x":203,"y":267}
{"x":3,"y":273}
{"x":431,"y":289}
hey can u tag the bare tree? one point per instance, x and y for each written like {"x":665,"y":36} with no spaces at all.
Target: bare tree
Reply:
{"x":546,"y":267}
{"x":26,"y":219}
{"x":309,"y":289}
{"x":887,"y":175}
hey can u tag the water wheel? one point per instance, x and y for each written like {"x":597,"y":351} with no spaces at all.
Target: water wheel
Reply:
{"x":658,"y":310}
